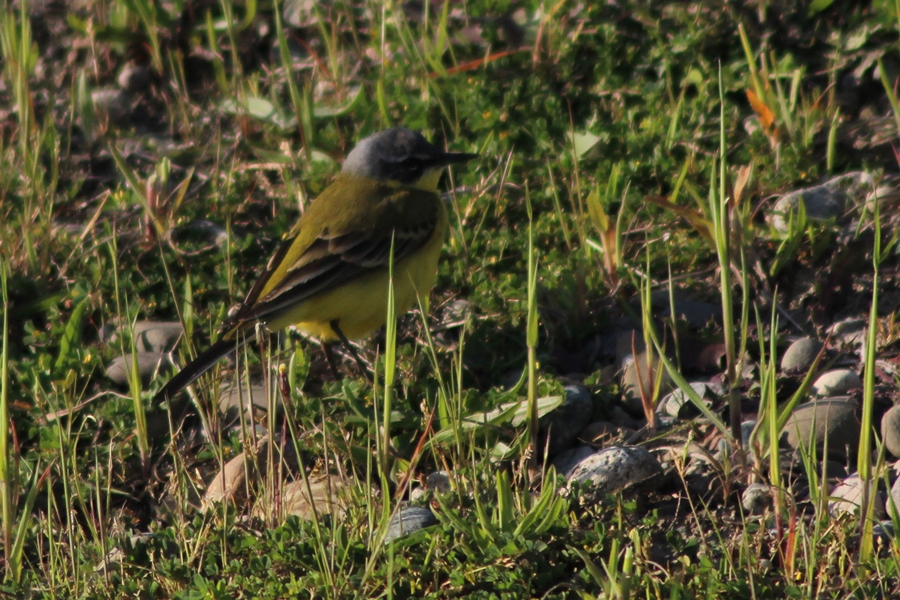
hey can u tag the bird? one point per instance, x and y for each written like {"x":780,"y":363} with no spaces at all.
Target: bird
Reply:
{"x":330,"y":276}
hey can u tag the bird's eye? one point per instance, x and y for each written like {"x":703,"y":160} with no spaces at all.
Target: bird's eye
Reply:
{"x":408,"y":169}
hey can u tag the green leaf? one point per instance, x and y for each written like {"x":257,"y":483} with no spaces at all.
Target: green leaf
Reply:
{"x":72,"y":334}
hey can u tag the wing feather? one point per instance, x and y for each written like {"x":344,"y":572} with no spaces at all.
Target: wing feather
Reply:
{"x":338,"y":255}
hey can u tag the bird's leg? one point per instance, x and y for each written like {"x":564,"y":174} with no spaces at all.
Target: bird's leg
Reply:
{"x":362,"y":366}
{"x":329,"y":356}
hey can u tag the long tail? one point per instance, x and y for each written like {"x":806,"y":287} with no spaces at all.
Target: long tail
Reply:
{"x":200,"y":365}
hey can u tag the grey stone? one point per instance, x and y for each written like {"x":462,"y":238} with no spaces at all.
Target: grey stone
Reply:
{"x":134,"y":77}
{"x":849,"y":332}
{"x":148,"y":364}
{"x":619,"y":417}
{"x":566,"y":461}
{"x":112,"y":103}
{"x":615,"y":468}
{"x":829,"y":200}
{"x":157,"y":336}
{"x":407,"y":520}
{"x":150,"y":336}
{"x":894,"y":498}
{"x":800,"y":355}
{"x":329,"y":496}
{"x":677,"y":403}
{"x":847,"y":497}
{"x":564,"y":424}
{"x":439,"y":481}
{"x":695,"y":312}
{"x":756,"y":498}
{"x":257,"y":396}
{"x":836,"y":383}
{"x":229,"y":484}
{"x":890,"y":430}
{"x":747,"y":428}
{"x":830,"y":419}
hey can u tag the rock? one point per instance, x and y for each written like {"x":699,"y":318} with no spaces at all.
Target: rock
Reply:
{"x":620,"y":418}
{"x":677,"y":403}
{"x":257,"y":396}
{"x":697,"y":313}
{"x":836,"y":383}
{"x":148,"y":364}
{"x":329,"y":496}
{"x":112,"y":103}
{"x":747,"y":428}
{"x":229,"y":484}
{"x":894,"y":498}
{"x":615,"y":468}
{"x":829,"y":200}
{"x":407,"y":520}
{"x":134,"y":77}
{"x":157,"y":336}
{"x":831,"y":419}
{"x":847,"y":497}
{"x":800,"y":355}
{"x":439,"y":481}
{"x":890,"y":430}
{"x":566,"y":461}
{"x":417,"y":495}
{"x":564,"y":424}
{"x":849,"y":332}
{"x":756,"y":498}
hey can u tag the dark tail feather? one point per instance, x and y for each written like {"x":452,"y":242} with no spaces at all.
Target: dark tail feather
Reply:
{"x":205,"y":361}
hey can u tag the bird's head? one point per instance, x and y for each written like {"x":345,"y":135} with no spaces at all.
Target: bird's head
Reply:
{"x":400,"y":156}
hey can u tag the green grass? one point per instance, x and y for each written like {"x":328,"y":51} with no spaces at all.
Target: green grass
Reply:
{"x":620,"y":155}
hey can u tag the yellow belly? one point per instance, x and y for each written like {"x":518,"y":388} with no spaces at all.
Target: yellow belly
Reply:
{"x":360,"y":306}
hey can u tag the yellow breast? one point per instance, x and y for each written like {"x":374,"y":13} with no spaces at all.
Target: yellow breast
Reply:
{"x":360,"y":306}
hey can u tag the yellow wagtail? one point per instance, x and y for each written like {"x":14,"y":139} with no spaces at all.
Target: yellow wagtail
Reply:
{"x":330,"y":276}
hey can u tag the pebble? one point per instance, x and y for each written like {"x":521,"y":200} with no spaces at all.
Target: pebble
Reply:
{"x":849,"y":332}
{"x":847,"y":497}
{"x":328,"y":497}
{"x":836,"y":383}
{"x":890,"y":430}
{"x":407,"y":520}
{"x":829,"y":200}
{"x":615,"y":468}
{"x":800,"y":355}
{"x":148,"y":363}
{"x":112,"y":103}
{"x":157,"y":336}
{"x":677,"y":403}
{"x":831,"y":419}
{"x":134,"y":77}
{"x":257,"y":396}
{"x":564,"y":424}
{"x":756,"y":498}
{"x":228,"y":484}
{"x":566,"y":461}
